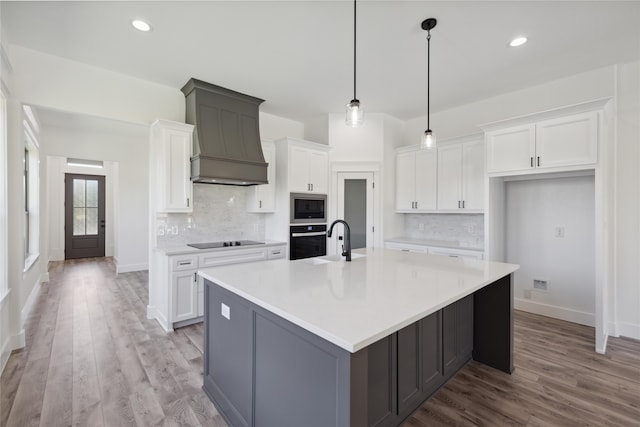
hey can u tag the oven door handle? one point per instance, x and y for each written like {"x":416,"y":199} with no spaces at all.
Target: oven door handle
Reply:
{"x":317,"y":233}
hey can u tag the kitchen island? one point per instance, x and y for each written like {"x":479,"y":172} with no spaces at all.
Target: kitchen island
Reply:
{"x":326,"y":342}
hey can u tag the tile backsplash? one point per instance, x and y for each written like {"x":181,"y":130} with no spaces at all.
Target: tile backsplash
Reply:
{"x":219,"y":214}
{"x":465,"y":229}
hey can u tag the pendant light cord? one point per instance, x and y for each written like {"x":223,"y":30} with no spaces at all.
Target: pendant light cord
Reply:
{"x":354,"y":49}
{"x":428,"y":73}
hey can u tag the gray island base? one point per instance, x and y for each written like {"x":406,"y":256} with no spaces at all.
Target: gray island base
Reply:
{"x":263,"y":370}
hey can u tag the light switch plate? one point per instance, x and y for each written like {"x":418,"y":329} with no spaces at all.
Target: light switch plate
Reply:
{"x":225,"y":311}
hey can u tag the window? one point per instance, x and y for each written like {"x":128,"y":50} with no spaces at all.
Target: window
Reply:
{"x":4,"y":283}
{"x":31,"y":189}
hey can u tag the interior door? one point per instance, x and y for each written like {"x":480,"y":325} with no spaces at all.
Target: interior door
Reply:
{"x":84,"y":216}
{"x":355,"y":206}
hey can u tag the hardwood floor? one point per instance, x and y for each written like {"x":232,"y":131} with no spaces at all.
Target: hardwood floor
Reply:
{"x":93,"y":359}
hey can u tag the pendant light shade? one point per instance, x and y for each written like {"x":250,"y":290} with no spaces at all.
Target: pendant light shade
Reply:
{"x":428,"y":140}
{"x":354,"y":109}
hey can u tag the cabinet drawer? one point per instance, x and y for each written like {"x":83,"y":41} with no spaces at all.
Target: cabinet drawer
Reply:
{"x":213,"y":259}
{"x":457,"y":253}
{"x":405,"y":247}
{"x":184,"y":262}
{"x":276,"y":253}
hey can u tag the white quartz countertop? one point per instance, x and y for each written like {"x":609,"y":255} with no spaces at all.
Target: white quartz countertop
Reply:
{"x":354,"y":304}
{"x":184,"y":249}
{"x":435,"y":243}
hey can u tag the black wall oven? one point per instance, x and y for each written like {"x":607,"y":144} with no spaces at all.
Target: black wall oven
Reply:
{"x":306,"y":241}
{"x":308,"y":208}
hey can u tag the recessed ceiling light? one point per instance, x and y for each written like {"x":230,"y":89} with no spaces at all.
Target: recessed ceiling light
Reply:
{"x":518,"y":41}
{"x":139,"y":24}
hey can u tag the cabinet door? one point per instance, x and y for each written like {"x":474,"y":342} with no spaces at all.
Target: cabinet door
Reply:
{"x":177,"y":164}
{"x":408,"y":367}
{"x":318,"y":164}
{"x":425,"y":180}
{"x":473,"y":175}
{"x":567,"y":141}
{"x":262,"y":198}
{"x":431,"y":339}
{"x":184,"y":286}
{"x":511,"y":149}
{"x":450,"y":177}
{"x":405,"y":181}
{"x":298,"y":170}
{"x":200,"y":302}
{"x":449,"y":339}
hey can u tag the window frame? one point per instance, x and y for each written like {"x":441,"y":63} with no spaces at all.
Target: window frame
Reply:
{"x":31,"y":190}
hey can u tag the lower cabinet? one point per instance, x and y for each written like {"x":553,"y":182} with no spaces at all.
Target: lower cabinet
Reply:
{"x":186,"y":295}
{"x":260,"y":369}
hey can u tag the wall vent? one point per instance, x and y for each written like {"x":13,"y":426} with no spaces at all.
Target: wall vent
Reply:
{"x":540,"y":284}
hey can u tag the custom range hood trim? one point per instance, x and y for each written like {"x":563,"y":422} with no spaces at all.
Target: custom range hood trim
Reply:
{"x":226,"y":139}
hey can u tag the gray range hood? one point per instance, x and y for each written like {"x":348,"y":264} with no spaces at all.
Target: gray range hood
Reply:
{"x":226,"y":140}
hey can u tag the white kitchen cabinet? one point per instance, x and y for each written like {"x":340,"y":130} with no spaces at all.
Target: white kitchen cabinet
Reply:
{"x":416,"y":180}
{"x":557,"y":143}
{"x":308,"y":170}
{"x":461,"y":176}
{"x":262,"y":198}
{"x":185,"y":295}
{"x":431,"y":249}
{"x":406,"y":247}
{"x":176,"y":293}
{"x":567,"y":141}
{"x":171,"y":148}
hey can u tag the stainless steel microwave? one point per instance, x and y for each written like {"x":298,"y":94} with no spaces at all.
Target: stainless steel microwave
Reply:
{"x":308,"y":208}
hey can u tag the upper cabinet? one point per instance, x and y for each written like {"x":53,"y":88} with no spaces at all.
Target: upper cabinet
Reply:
{"x":566,"y":142}
{"x":461,"y":176}
{"x":307,"y":165}
{"x":262,"y":198}
{"x":416,"y":177}
{"x":171,"y":148}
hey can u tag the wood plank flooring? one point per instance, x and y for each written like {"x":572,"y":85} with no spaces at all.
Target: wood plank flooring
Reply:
{"x":93,"y":359}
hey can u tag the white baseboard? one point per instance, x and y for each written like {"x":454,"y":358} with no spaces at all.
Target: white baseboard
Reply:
{"x":56,"y":254}
{"x":31,"y":299}
{"x":602,"y":349}
{"x":151,"y":312}
{"x":562,"y":313}
{"x":629,"y":330}
{"x":13,"y":342}
{"x":164,"y":322}
{"x":127,"y":268}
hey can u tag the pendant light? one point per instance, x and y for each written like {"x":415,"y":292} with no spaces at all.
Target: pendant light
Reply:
{"x":354,"y":110}
{"x":428,"y":140}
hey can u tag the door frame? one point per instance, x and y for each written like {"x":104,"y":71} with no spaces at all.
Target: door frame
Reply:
{"x":369,"y":178}
{"x":372,"y":167}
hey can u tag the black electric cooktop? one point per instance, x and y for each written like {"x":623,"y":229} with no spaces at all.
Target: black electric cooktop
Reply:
{"x":211,"y":245}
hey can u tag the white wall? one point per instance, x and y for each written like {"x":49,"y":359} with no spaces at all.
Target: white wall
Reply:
{"x":626,"y":300}
{"x":57,"y":83}
{"x":274,"y":127}
{"x":464,"y":120}
{"x":373,"y":142}
{"x":130,"y":152}
{"x":56,"y":169}
{"x":535,"y":209}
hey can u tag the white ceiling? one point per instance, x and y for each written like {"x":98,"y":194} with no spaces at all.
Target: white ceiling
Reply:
{"x":298,"y":55}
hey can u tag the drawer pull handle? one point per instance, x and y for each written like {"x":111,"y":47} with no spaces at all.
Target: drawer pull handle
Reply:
{"x":184,"y":263}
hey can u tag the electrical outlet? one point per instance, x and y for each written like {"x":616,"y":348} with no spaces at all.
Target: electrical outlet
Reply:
{"x":540,"y":284}
{"x":421,"y":227}
{"x":225,"y":311}
{"x":560,"y":232}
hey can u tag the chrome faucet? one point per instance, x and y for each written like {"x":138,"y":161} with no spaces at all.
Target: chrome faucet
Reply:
{"x":346,"y":248}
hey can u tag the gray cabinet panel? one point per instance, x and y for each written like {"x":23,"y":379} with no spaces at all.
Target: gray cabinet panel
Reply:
{"x":293,"y":373}
{"x":408,"y":366}
{"x":381,"y":382}
{"x":449,"y":339}
{"x":431,"y":342}
{"x":229,"y":367}
{"x":465,"y":327}
{"x":457,"y":334}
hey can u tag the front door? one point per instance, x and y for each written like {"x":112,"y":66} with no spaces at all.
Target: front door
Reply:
{"x":355,"y":206}
{"x":84,"y":216}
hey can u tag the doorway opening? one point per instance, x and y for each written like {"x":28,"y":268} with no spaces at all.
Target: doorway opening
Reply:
{"x":84,"y":216}
{"x":355,"y":203}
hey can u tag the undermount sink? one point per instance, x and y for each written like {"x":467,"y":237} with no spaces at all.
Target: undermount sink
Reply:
{"x":330,"y":258}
